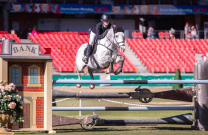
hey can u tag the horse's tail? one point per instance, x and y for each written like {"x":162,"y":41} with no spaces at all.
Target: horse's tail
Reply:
{"x":78,"y":74}
{"x":78,"y":62}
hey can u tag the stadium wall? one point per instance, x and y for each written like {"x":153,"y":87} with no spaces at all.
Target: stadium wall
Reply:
{"x":28,"y":20}
{"x":1,"y":22}
{"x":1,"y":18}
{"x":190,"y":19}
{"x":84,"y":24}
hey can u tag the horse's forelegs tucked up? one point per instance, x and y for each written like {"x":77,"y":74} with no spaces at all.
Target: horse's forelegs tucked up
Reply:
{"x":110,"y":69}
{"x":111,"y":61}
{"x":121,"y":60}
{"x":106,"y":60}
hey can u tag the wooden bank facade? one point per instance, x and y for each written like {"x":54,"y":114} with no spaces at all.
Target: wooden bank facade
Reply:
{"x":31,"y":72}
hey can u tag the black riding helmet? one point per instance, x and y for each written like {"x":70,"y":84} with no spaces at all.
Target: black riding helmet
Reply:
{"x":106,"y":17}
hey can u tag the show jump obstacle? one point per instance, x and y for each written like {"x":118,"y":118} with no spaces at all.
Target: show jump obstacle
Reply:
{"x":37,"y":111}
{"x":200,"y":109}
{"x":130,"y":81}
{"x":152,"y":108}
{"x":144,"y":95}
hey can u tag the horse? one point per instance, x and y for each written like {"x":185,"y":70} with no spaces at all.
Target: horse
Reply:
{"x":105,"y":54}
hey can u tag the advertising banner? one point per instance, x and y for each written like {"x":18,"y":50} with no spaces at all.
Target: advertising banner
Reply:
{"x":110,"y":9}
{"x":139,"y":77}
{"x":73,"y":77}
{"x":124,"y":77}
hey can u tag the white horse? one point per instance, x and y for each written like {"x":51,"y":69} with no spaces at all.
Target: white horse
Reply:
{"x":105,"y":54}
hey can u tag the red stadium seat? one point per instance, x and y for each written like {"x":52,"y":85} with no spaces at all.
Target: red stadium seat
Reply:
{"x":54,"y":32}
{"x":6,"y":32}
{"x":65,"y":32}
{"x":70,"y":32}
{"x":167,"y":35}
{"x":60,"y":32}
{"x":134,"y":34}
{"x":75,"y":33}
{"x":81,"y":33}
{"x":161,"y":35}
{"x":140,"y":35}
{"x":86,"y":33}
{"x":134,"y":69}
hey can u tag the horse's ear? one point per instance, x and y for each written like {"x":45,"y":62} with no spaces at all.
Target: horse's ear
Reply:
{"x":119,"y":29}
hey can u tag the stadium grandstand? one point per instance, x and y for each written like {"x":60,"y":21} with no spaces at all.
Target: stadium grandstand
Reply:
{"x":161,"y":35}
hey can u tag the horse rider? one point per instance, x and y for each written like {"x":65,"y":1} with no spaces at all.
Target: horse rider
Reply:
{"x":97,"y":30}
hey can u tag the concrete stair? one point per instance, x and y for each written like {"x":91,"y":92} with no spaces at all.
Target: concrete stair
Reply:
{"x":141,"y":68}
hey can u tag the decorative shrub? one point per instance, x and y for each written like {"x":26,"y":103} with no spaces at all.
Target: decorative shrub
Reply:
{"x":10,"y":100}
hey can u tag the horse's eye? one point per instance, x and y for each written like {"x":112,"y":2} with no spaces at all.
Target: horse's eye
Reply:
{"x":116,"y":36}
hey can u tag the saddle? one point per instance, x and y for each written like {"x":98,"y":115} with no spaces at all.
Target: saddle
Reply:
{"x":94,"y":46}
{"x":94,"y":49}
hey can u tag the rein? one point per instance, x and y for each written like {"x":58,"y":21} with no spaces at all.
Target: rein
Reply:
{"x":110,"y":42}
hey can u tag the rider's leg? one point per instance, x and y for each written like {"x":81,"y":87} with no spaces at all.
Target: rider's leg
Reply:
{"x":89,"y":47}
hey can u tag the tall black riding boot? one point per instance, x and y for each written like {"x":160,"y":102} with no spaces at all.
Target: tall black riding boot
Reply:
{"x":87,"y":54}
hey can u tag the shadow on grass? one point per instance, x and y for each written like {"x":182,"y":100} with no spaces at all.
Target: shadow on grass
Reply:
{"x":94,"y":130}
{"x":28,"y":133}
{"x":65,"y":130}
{"x":170,"y":128}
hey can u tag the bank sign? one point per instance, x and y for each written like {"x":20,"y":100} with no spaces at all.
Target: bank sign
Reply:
{"x":23,"y":49}
{"x":110,"y":9}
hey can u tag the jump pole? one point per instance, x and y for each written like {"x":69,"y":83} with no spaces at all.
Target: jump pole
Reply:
{"x":130,"y":81}
{"x":152,"y":108}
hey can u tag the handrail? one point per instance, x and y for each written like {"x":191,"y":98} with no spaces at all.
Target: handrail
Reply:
{"x":202,"y":34}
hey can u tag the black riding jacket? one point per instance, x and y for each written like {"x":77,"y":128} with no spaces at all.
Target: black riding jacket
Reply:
{"x":98,"y":29}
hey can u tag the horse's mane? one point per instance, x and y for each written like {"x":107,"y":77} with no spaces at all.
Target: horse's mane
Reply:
{"x":117,"y":28}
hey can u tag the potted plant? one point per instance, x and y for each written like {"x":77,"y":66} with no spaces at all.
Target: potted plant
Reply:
{"x":11,"y":104}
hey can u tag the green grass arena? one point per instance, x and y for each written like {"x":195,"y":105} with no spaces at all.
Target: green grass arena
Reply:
{"x":163,"y":129}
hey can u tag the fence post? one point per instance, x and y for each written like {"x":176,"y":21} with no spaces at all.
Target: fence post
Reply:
{"x":201,"y":102}
{"x":80,"y":105}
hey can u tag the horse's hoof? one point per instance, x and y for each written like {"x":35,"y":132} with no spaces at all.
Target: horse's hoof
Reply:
{"x":118,"y":71}
{"x":107,"y":71}
{"x":92,"y":86}
{"x":79,"y":85}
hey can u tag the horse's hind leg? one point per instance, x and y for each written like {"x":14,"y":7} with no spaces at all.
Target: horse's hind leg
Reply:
{"x":110,"y":70}
{"x":121,"y":60}
{"x":92,"y":86}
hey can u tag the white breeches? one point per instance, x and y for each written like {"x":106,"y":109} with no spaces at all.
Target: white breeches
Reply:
{"x":92,"y":38}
